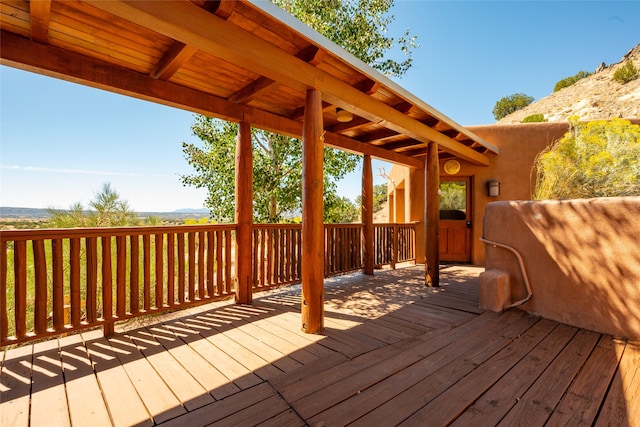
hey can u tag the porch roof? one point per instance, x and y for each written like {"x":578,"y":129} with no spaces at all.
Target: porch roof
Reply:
{"x":235,"y":60}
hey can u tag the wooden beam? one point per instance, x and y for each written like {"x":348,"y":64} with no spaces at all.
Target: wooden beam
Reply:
{"x":179,"y":53}
{"x":432,"y":216}
{"x":231,"y":43}
{"x":311,"y":55}
{"x":367,"y":216}
{"x":244,"y":214}
{"x":40,"y":15}
{"x":312,"y":216}
{"x":18,"y":52}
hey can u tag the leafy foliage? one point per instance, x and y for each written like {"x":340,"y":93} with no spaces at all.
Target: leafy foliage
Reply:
{"x":379,"y":197}
{"x":568,"y":81}
{"x":534,"y":118}
{"x":626,"y":73}
{"x":359,"y":26}
{"x":453,"y":195}
{"x":105,"y":210}
{"x":594,"y":159}
{"x":510,"y":104}
{"x":277,"y":174}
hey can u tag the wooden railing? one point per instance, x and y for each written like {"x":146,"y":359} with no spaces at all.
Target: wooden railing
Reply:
{"x":394,"y":243}
{"x":57,"y":281}
{"x":71,"y":279}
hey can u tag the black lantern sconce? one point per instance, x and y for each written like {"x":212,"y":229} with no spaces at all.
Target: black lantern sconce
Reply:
{"x":493,"y":188}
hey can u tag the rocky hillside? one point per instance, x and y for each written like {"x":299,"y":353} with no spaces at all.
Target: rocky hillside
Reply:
{"x":597,"y":97}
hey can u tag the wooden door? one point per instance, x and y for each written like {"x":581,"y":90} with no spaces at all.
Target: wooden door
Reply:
{"x":455,"y":219}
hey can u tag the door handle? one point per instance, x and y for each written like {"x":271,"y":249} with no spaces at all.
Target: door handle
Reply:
{"x":468,"y":224}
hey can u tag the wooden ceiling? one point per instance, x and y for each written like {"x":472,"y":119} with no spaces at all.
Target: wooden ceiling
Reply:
{"x":235,"y":60}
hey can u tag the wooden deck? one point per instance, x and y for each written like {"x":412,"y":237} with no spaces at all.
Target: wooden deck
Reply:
{"x":393,"y":352}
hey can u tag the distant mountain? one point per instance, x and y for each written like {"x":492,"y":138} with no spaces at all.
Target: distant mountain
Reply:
{"x":34,"y":213}
{"x":597,"y":97}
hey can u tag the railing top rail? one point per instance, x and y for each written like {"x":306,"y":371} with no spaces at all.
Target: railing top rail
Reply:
{"x":61,"y":233}
{"x":272,"y":226}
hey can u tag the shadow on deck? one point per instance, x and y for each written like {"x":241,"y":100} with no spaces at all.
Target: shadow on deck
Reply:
{"x":393,"y":352}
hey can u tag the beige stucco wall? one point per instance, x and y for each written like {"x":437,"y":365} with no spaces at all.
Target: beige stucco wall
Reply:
{"x":581,"y":258}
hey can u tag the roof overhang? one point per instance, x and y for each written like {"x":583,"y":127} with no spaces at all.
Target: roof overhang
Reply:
{"x":235,"y":60}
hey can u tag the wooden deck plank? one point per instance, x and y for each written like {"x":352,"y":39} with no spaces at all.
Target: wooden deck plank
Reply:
{"x":236,"y":372}
{"x":461,"y":394}
{"x":182,"y":384}
{"x":214,"y":381}
{"x":536,"y":405}
{"x":84,"y":397}
{"x":223,"y":408}
{"x":491,"y":407}
{"x":393,"y":351}
{"x":391,"y":399}
{"x":581,"y":402}
{"x":158,"y":398}
{"x":48,"y":397}
{"x":15,"y":386}
{"x":622,"y":405}
{"x":356,"y":382}
{"x":124,"y":403}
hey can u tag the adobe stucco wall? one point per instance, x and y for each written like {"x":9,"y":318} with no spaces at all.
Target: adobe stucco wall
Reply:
{"x":581,"y":258}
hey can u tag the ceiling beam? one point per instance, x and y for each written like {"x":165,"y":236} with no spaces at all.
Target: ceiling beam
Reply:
{"x":179,"y":53}
{"x":40,"y":14}
{"x":21,"y":53}
{"x":224,"y":40}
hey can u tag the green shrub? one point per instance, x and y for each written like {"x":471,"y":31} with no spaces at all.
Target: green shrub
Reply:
{"x":510,"y":104}
{"x":566,"y":82}
{"x":595,"y":159}
{"x":626,"y":73}
{"x":534,"y":118}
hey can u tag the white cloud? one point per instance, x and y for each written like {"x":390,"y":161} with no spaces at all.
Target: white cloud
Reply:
{"x":80,"y":171}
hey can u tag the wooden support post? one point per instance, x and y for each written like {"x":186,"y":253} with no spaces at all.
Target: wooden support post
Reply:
{"x":312,"y":215}
{"x":432,"y":216}
{"x":244,"y":214}
{"x":367,"y":215}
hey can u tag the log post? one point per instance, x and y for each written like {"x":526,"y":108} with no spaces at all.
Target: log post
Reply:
{"x":432,"y":216}
{"x":312,"y":215}
{"x":367,"y":215}
{"x":244,"y":214}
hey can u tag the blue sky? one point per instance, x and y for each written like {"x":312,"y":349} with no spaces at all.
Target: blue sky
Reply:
{"x":60,"y":141}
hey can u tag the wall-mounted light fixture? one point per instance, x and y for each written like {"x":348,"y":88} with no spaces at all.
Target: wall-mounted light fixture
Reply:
{"x":493,"y":188}
{"x":343,"y":115}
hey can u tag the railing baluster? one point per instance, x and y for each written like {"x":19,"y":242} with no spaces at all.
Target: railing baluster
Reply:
{"x":74,"y":282}
{"x":121,"y":275}
{"x":227,"y":262}
{"x":92,"y":279}
{"x":181,"y":269}
{"x":146,"y":271}
{"x":192,"y":266}
{"x":20,"y":269}
{"x":219,"y":284}
{"x":41,"y":298}
{"x":201,"y":265}
{"x":211,"y":244}
{"x":58,"y":284}
{"x":134,"y":275}
{"x":107,"y":286}
{"x":159,"y":288}
{"x":4,"y":317}
{"x":171,"y":269}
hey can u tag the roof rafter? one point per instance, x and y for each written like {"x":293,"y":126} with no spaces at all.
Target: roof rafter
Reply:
{"x":221,"y":39}
{"x":40,"y":14}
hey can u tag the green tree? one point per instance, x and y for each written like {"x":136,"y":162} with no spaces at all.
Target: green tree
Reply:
{"x":595,"y":159}
{"x":361,"y":28}
{"x":105,"y":210}
{"x":379,"y":197}
{"x":510,"y":104}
